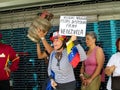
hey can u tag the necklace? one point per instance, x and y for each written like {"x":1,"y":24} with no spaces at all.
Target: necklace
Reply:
{"x":58,"y":56}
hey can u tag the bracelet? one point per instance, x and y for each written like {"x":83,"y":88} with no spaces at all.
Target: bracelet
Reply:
{"x":81,"y":75}
{"x":42,"y":38}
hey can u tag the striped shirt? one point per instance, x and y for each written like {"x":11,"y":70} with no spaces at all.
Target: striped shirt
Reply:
{"x":64,"y":72}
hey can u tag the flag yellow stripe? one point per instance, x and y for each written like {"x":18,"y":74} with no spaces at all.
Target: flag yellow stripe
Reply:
{"x":7,"y":61}
{"x":70,"y":44}
{"x":6,"y":65}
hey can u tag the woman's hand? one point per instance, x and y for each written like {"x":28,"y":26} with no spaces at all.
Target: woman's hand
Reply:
{"x":40,"y":33}
{"x":83,"y":79}
{"x":53,"y":84}
{"x":73,"y":38}
{"x":7,"y":69}
{"x":87,"y":81}
{"x":109,"y":70}
{"x":112,"y":68}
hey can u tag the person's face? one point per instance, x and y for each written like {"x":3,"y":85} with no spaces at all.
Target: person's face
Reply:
{"x":57,"y":43}
{"x":119,"y":46}
{"x":89,"y":40}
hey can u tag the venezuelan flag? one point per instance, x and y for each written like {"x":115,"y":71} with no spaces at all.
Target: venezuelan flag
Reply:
{"x":73,"y":55}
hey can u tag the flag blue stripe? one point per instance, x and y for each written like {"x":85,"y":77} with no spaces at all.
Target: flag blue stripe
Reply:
{"x":72,"y":54}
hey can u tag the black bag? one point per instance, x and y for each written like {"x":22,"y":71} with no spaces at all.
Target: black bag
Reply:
{"x":116,"y":83}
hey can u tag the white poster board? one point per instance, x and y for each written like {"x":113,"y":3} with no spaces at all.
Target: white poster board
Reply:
{"x":73,"y":25}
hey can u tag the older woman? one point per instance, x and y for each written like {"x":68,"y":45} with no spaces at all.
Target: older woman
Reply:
{"x":92,"y":66}
{"x":113,"y":66}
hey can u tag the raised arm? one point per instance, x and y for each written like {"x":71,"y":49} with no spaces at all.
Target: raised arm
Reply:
{"x":79,"y":47}
{"x":40,"y":54}
{"x":47,"y":46}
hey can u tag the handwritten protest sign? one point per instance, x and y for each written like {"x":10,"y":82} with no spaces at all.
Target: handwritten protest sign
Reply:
{"x":73,"y":25}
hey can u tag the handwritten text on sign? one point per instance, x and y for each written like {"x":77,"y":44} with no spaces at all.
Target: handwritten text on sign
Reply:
{"x":73,"y":25}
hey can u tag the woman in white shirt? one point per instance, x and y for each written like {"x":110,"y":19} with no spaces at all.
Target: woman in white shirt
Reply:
{"x":113,"y":65}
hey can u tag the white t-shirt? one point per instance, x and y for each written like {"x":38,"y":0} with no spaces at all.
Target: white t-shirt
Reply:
{"x":114,"y":60}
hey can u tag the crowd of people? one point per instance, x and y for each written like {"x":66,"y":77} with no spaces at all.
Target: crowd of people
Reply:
{"x":61,"y":57}
{"x":92,"y":65}
{"x":57,"y":58}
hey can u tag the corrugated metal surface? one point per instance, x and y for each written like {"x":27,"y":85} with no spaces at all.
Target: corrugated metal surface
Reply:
{"x":32,"y":72}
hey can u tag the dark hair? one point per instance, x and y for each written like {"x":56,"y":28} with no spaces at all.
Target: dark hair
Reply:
{"x":51,"y":34}
{"x":92,"y":34}
{"x":64,"y":43}
{"x":117,"y":44}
